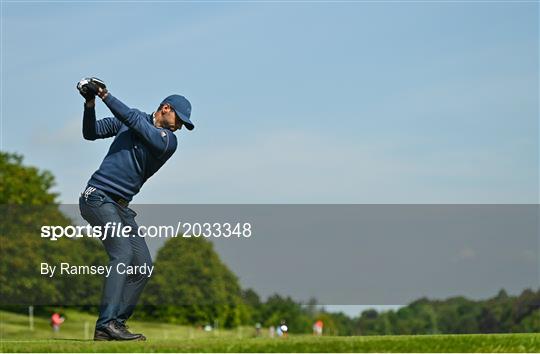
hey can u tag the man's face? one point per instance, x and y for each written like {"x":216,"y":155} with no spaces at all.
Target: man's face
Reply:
{"x":169,"y":119}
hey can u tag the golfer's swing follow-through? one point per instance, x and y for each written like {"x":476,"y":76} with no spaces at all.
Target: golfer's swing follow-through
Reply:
{"x":142,"y":143}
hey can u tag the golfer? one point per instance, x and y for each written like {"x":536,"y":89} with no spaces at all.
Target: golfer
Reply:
{"x":142,"y":144}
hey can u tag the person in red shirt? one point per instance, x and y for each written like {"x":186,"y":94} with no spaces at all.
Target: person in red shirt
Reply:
{"x":318,"y":328}
{"x":56,"y":321}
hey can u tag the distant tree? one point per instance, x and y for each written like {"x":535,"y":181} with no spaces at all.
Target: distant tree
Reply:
{"x":277,"y":308}
{"x":496,"y":314}
{"x":530,"y":323}
{"x":487,"y":321}
{"x":27,"y":203}
{"x":526,"y":303}
{"x":253,"y":304}
{"x":191,"y":285}
{"x":425,"y":317}
{"x":368,"y":322}
{"x":458,"y":315}
{"x":312,"y":307}
{"x":24,"y":185}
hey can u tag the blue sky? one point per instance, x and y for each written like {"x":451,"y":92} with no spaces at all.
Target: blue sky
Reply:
{"x":293,"y":103}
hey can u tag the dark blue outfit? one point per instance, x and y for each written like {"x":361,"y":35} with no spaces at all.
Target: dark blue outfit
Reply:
{"x":139,"y":149}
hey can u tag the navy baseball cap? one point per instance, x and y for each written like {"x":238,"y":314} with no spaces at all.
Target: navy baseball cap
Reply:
{"x":182,"y":107}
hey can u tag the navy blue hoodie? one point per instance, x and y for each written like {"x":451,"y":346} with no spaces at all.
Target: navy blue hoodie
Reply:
{"x":138,"y":150}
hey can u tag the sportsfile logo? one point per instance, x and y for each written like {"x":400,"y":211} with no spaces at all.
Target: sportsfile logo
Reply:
{"x":110,"y":229}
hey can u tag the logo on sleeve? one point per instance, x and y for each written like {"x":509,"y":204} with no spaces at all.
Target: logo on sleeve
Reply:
{"x":163,"y":133}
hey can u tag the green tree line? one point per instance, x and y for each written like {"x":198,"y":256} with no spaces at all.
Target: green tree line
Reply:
{"x":193,"y":286}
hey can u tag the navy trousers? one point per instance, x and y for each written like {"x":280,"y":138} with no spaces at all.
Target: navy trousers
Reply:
{"x":120,"y":292}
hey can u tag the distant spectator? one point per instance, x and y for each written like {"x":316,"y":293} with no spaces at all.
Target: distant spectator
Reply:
{"x":278,"y":331}
{"x":318,"y":328}
{"x":284,"y":329}
{"x":56,"y":321}
{"x":258,"y":329}
{"x":271,"y":332}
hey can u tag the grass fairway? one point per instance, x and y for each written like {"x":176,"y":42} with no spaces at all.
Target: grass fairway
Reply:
{"x":455,"y":343}
{"x":15,"y":337}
